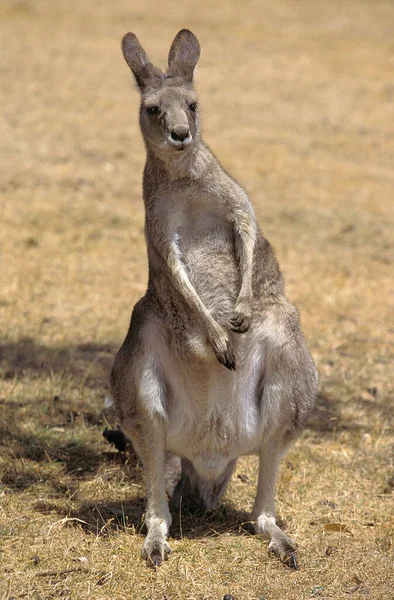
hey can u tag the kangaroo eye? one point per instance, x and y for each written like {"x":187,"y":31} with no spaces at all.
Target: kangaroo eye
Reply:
{"x":153,"y":110}
{"x":193,"y":106}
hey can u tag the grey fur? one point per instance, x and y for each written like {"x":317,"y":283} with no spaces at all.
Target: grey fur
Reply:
{"x":214,"y":364}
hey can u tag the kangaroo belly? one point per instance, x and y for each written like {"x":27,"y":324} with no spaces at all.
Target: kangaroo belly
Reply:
{"x":213,"y":417}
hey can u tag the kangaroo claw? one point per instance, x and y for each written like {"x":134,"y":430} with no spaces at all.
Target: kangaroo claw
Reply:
{"x":239,"y":322}
{"x":290,"y":560}
{"x":223,"y":352}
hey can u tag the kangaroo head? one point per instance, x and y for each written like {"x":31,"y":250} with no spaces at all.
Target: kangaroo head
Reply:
{"x":169,"y":110}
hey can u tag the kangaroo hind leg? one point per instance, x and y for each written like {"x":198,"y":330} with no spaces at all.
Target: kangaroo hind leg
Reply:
{"x":263,"y":514}
{"x":140,"y":395}
{"x":290,"y":386}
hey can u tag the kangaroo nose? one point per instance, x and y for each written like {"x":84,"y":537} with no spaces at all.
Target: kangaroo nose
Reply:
{"x":180,"y":133}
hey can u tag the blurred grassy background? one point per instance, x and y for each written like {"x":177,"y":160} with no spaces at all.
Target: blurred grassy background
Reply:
{"x":297,"y":100}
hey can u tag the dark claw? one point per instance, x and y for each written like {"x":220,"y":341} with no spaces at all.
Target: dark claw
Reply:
{"x":239,"y":324}
{"x":154,"y":561}
{"x":240,"y":328}
{"x":290,"y":561}
{"x":230,"y":365}
{"x":236,"y":320}
{"x":228,"y":361}
{"x":225,"y":357}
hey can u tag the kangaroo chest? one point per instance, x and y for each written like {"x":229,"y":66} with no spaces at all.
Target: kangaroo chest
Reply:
{"x":200,"y":224}
{"x":206,"y":247}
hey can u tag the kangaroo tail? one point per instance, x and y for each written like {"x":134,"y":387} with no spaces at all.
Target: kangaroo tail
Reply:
{"x":192,"y":491}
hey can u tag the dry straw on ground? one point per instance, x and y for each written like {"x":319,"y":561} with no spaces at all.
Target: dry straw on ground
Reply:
{"x":298,"y":102}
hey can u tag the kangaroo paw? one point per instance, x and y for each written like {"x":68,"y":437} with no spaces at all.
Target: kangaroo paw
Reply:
{"x":223,"y":351}
{"x":241,"y":318}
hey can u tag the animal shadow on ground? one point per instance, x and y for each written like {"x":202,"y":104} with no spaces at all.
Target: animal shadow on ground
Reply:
{"x":54,"y":412}
{"x":87,"y":367}
{"x":85,"y":364}
{"x":102,"y":517}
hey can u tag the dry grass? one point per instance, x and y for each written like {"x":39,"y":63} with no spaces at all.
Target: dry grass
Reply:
{"x":298,"y":101}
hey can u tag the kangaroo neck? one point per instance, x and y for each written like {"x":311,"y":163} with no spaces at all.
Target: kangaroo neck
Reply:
{"x":191,"y":163}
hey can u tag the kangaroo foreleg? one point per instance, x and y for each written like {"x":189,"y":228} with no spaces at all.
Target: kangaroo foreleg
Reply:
{"x":180,"y":280}
{"x":245,"y":238}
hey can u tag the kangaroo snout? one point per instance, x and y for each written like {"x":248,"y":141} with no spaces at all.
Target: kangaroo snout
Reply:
{"x":180,"y":136}
{"x":180,"y":133}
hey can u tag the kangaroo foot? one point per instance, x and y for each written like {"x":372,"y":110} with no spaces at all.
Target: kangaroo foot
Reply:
{"x":155,"y":550}
{"x":280,"y":545}
{"x":285,"y":549}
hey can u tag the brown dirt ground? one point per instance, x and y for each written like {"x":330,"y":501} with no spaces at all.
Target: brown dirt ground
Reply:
{"x":298,"y":103}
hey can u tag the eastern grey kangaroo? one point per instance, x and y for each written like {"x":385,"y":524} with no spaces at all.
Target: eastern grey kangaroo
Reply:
{"x":214,"y":364}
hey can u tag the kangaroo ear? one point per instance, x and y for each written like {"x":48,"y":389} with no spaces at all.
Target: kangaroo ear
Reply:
{"x":138,"y":61}
{"x":184,"y":54}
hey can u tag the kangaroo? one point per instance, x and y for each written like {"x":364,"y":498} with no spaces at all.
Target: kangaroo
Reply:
{"x":214,"y":364}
